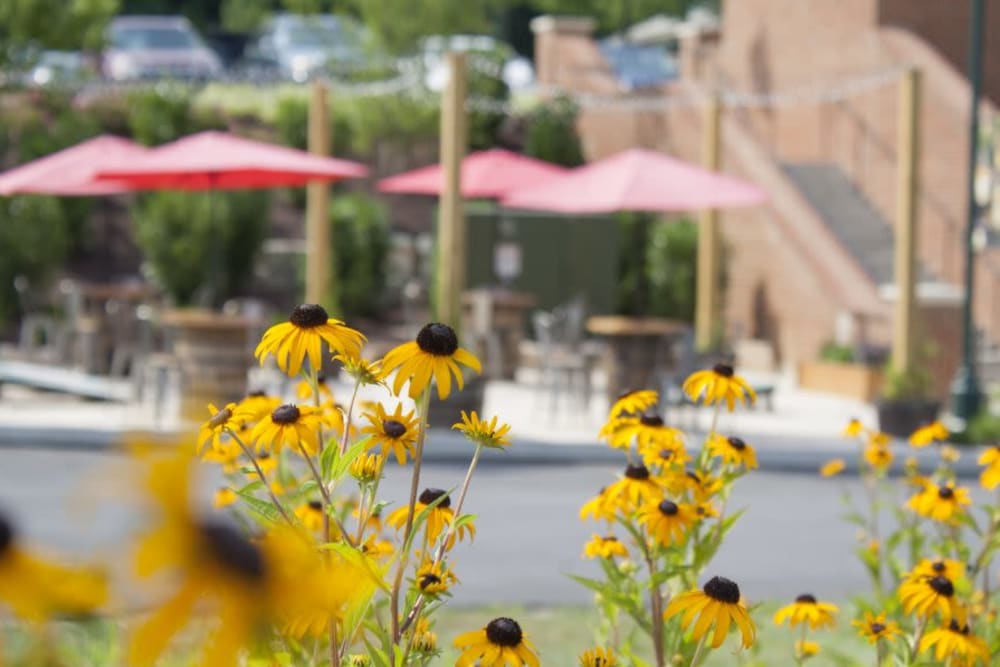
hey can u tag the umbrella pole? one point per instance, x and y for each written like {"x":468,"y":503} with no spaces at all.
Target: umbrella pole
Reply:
{"x":707,"y":290}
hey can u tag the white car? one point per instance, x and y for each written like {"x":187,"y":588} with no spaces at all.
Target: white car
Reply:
{"x":153,"y":47}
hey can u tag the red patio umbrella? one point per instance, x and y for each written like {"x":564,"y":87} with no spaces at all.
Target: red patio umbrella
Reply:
{"x":218,"y":160}
{"x":636,"y":180}
{"x":485,"y":175}
{"x":72,"y":171}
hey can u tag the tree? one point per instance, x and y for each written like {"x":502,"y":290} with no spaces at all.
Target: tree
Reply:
{"x":52,"y":24}
{"x":398,"y":25}
{"x":552,"y":135}
{"x":614,"y":16}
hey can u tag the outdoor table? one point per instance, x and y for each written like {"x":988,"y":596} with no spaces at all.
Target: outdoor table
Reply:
{"x":103,"y":319}
{"x":639,"y":347}
{"x":496,"y":318}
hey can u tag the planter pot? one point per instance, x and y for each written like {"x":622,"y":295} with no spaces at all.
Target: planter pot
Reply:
{"x":853,"y":380}
{"x":449,"y":411}
{"x":901,"y":418}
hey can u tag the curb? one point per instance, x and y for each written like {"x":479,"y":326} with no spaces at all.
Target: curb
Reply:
{"x":777,"y":454}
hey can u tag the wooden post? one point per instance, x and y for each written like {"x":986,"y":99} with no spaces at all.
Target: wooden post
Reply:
{"x":707,"y":288}
{"x":907,"y":187}
{"x":451,"y":217}
{"x":319,"y":256}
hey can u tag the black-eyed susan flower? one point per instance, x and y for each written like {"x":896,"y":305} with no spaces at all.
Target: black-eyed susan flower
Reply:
{"x":875,"y":628}
{"x":367,"y":468}
{"x":227,"y":454}
{"x":634,"y":488}
{"x":363,"y":371}
{"x":832,"y":467}
{"x":805,"y":648}
{"x":303,"y":335}
{"x":224,"y":497}
{"x":717,"y":604}
{"x":633,"y":403}
{"x":929,"y":434}
{"x":358,"y":660}
{"x":953,"y":644}
{"x":294,"y":426}
{"x":989,"y":479}
{"x":854,"y":428}
{"x":945,"y":567}
{"x":501,"y":643}
{"x":950,"y":454}
{"x":485,"y":433}
{"x":646,"y":431}
{"x":311,"y":515}
{"x":257,"y":405}
{"x":598,"y":508}
{"x":665,"y":458}
{"x":943,"y":503}
{"x":435,"y":354}
{"x":598,"y":657}
{"x":604,"y":546}
{"x":718,"y":384}
{"x":377,"y":548}
{"x":806,"y":609}
{"x":434,"y":579}
{"x":425,"y":642}
{"x":36,"y":590}
{"x":699,"y":484}
{"x":304,"y":390}
{"x":396,"y":433}
{"x":733,"y":451}
{"x":266,"y":462}
{"x":925,"y":596}
{"x":667,"y":521}
{"x":210,"y":433}
{"x":438,"y":518}
{"x":878,"y":456}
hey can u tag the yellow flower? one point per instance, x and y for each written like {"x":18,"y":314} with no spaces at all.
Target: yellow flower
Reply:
{"x":212,"y":430}
{"x":367,"y":468}
{"x":634,"y":488}
{"x":929,"y":434}
{"x":598,"y":508}
{"x":435,"y":354}
{"x":227,"y":454}
{"x":434,"y":579}
{"x":647,"y":431}
{"x":258,"y":405}
{"x":304,"y":389}
{"x":598,"y":657}
{"x":224,"y":497}
{"x":438,"y":519}
{"x":311,"y":515}
{"x":501,"y":643}
{"x":718,"y":604}
{"x":700,"y":485}
{"x":874,"y":628}
{"x":940,"y":503}
{"x":923,"y":596}
{"x":291,"y":425}
{"x":956,"y":646}
{"x":732,"y":451}
{"x":485,"y":433}
{"x":397,"y":432}
{"x":806,"y":649}
{"x":879,"y":439}
{"x":950,"y":454}
{"x":363,"y":371}
{"x":665,"y":458}
{"x":717,"y":385}
{"x":950,"y":569}
{"x":303,"y":336}
{"x":990,"y":477}
{"x":853,"y":429}
{"x":425,"y":642}
{"x":667,"y":521}
{"x":604,"y":547}
{"x":633,"y":403}
{"x":358,"y":660}
{"x":832,"y":467}
{"x":878,"y":457}
{"x":990,"y":457}
{"x":806,"y":609}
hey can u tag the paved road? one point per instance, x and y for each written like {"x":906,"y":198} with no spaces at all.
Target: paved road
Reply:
{"x":791,"y":541}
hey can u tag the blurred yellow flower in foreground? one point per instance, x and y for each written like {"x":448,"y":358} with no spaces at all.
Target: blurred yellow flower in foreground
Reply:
{"x":718,"y":384}
{"x":832,"y":467}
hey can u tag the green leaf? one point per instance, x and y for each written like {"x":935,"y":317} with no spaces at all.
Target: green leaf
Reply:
{"x":262,"y":508}
{"x":341,"y":464}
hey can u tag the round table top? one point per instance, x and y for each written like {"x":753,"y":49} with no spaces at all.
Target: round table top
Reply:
{"x":199,"y":318}
{"x":621,"y":325}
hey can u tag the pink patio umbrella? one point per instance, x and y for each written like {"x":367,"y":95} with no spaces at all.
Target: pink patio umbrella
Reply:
{"x":218,"y":160}
{"x":485,"y":175}
{"x":636,"y":180}
{"x":72,"y":171}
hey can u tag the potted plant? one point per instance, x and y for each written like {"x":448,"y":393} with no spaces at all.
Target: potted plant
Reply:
{"x":905,"y":404}
{"x":837,"y":372}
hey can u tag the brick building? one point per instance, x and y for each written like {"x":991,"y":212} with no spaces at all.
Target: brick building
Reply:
{"x":816,"y":263}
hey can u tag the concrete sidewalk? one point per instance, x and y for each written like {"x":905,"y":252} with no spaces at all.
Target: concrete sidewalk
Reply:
{"x":798,"y":435}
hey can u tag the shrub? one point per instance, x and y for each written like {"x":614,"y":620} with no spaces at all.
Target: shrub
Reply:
{"x":190,"y":239}
{"x":361,"y":243}
{"x":837,"y":353}
{"x":552,"y":135}
{"x":671,"y":258}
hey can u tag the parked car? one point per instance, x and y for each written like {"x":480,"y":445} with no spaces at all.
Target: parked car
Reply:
{"x":517,"y":72}
{"x":57,"y":68}
{"x":637,"y":67}
{"x":147,"y":47}
{"x":300,"y":46}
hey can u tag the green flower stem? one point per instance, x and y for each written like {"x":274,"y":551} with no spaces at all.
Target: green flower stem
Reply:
{"x":424,"y":406}
{"x":921,"y":626}
{"x":879,"y":652}
{"x":260,"y":474}
{"x":347,"y":417}
{"x":328,"y":513}
{"x":696,"y":658}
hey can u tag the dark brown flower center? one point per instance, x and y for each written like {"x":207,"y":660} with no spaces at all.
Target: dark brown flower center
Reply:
{"x":665,"y":454}
{"x":316,"y":505}
{"x":438,"y":339}
{"x":876,"y":628}
{"x":231,"y":549}
{"x":257,"y":393}
{"x":504,"y":631}
{"x":938,"y":566}
{"x":955,"y":627}
{"x":806,"y":598}
{"x":737,"y":444}
{"x":393,"y":428}
{"x":610,"y":538}
{"x":285,"y":414}
{"x":946,"y":493}
{"x":693,"y":476}
{"x":6,"y":535}
{"x":668,"y":507}
{"x":637,"y":472}
{"x":651,"y":420}
{"x":722,"y":590}
{"x":725,"y":370}
{"x":429,"y":579}
{"x":942,"y":586}
{"x":430,"y":495}
{"x":308,"y":315}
